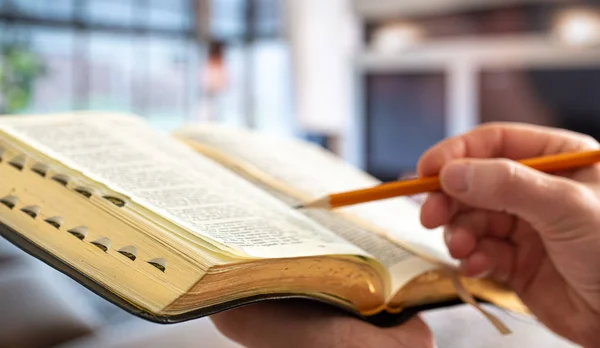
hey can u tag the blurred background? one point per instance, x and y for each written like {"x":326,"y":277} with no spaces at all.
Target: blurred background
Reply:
{"x":375,"y":81}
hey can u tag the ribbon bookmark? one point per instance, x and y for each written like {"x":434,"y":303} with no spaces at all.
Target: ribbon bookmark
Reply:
{"x":469,"y":299}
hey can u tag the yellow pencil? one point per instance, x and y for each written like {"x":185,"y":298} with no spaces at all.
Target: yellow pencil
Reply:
{"x":548,"y":164}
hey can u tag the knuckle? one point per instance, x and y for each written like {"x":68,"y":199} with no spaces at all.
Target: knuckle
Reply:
{"x":503,"y":182}
{"x":507,"y":173}
{"x":491,"y":125}
{"x":489,"y":128}
{"x":495,"y":130}
{"x":499,"y":128}
{"x":575,"y":194}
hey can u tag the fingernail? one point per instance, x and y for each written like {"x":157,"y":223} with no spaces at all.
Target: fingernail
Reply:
{"x":456,"y":177}
{"x":483,"y":274}
{"x":502,"y":278}
{"x":447,"y":237}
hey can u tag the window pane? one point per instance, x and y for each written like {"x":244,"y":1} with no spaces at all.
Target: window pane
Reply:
{"x":168,"y":82}
{"x":110,"y":70}
{"x":268,"y":17}
{"x":119,"y":12}
{"x":3,"y":32}
{"x":54,"y":91}
{"x":48,"y":9}
{"x":272,"y":87}
{"x":227,"y":106}
{"x":172,"y":14}
{"x":141,"y":86}
{"x":227,"y":18}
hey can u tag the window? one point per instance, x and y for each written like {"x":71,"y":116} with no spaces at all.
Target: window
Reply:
{"x":172,"y":14}
{"x":144,"y":57}
{"x":46,"y":9}
{"x":111,"y":12}
{"x":228,"y":20}
{"x":111,"y":67}
{"x":55,"y":90}
{"x":257,"y":65}
{"x":268,"y":20}
{"x":120,"y":55}
{"x":272,"y":86}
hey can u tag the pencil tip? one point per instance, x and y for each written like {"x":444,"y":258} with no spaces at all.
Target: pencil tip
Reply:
{"x":319,"y":203}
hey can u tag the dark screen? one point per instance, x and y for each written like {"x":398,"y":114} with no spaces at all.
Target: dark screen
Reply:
{"x":405,"y":115}
{"x":561,"y":97}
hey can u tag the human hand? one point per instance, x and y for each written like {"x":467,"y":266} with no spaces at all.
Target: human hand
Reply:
{"x":301,"y":324}
{"x":538,"y":233}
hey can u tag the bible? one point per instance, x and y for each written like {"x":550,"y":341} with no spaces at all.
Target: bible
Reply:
{"x":172,"y":227}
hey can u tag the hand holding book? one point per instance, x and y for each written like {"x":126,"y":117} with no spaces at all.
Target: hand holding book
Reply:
{"x":535,"y":232}
{"x":301,"y":324}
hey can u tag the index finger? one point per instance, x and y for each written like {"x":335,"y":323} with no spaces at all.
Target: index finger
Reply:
{"x":507,"y":140}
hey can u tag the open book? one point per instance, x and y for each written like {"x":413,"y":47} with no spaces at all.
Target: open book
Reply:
{"x":177,"y":226}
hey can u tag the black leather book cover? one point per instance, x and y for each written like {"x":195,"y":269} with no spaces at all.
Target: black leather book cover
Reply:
{"x":383,"y":319}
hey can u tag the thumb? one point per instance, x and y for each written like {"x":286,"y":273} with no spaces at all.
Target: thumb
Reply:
{"x":503,"y":185}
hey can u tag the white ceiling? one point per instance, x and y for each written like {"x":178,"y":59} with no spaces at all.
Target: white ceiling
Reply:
{"x":388,"y":8}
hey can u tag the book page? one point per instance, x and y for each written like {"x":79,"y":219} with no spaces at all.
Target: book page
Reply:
{"x":316,"y":172}
{"x":168,"y":178}
{"x":401,"y":264}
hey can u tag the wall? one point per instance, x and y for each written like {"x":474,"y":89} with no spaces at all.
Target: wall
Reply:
{"x":323,"y":37}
